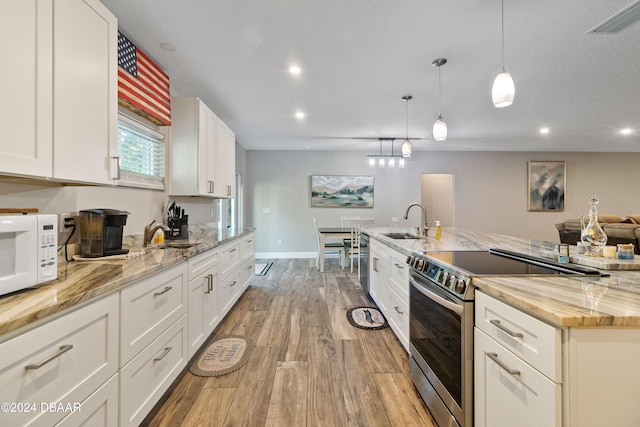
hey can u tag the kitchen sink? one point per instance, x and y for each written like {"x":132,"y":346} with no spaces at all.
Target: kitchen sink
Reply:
{"x":177,"y":244}
{"x":403,"y":236}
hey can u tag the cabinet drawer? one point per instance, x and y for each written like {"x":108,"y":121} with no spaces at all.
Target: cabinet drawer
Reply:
{"x":378,"y":248}
{"x":98,"y":410}
{"x":144,"y":380}
{"x":509,"y":392}
{"x":229,"y":258}
{"x":399,"y":317}
{"x":149,"y":307}
{"x":201,"y":263}
{"x":247,"y":271}
{"x":534,"y":341}
{"x":66,"y":374}
{"x":399,"y":275}
{"x":247,"y":247}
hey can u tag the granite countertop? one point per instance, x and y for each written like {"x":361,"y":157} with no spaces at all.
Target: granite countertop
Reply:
{"x":561,"y":300}
{"x":81,"y":281}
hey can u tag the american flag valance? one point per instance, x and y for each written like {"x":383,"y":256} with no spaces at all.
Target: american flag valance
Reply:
{"x":143,"y":87}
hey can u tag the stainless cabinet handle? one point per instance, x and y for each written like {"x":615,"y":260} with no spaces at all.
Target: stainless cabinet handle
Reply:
{"x":506,"y":330}
{"x":399,"y":266}
{"x":375,"y":265}
{"x":397,"y":309}
{"x":250,"y":267}
{"x":115,"y":167}
{"x":494,"y":357}
{"x":164,"y":291}
{"x":209,"y":279}
{"x":63,"y":349}
{"x":233,"y":284}
{"x":163,"y":355}
{"x":211,"y":186}
{"x":232,"y":250}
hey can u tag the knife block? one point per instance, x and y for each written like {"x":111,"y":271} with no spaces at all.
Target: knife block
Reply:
{"x":178,"y":230}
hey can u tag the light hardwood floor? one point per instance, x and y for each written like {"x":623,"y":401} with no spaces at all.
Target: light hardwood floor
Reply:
{"x":309,"y":366}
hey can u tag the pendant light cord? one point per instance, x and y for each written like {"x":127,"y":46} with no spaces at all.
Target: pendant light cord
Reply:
{"x":407,"y":120}
{"x":439,"y":92}
{"x":502,"y":33}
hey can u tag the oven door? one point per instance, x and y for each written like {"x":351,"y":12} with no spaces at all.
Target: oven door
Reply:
{"x":441,"y":337}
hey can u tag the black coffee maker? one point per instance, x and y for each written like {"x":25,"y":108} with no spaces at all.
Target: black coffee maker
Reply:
{"x":101,"y":232}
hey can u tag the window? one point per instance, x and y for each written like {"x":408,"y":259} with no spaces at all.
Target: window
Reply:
{"x":141,"y":152}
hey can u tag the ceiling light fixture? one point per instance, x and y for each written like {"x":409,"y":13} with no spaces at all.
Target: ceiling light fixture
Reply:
{"x":295,"y":70}
{"x":382,"y":160}
{"x":439,"y":127}
{"x":407,"y":149}
{"x":504,"y":90}
{"x":544,"y":131}
{"x":299,"y":115}
{"x":626,"y":131}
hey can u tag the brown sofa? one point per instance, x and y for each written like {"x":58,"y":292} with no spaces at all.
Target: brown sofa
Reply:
{"x":617,"y":228}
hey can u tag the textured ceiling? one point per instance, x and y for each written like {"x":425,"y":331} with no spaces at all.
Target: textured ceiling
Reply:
{"x":359,"y":57}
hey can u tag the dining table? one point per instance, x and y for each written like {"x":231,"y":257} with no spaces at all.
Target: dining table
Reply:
{"x":330,"y":233}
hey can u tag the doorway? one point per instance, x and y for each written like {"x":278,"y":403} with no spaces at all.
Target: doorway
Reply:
{"x":438,"y":197}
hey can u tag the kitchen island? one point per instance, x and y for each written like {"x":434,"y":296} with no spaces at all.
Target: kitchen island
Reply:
{"x":548,"y":350}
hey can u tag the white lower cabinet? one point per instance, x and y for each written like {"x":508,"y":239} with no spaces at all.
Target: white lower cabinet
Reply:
{"x":398,"y":317}
{"x":379,"y":275}
{"x":145,"y":378}
{"x":61,"y":362}
{"x":203,"y":310}
{"x":517,"y":365}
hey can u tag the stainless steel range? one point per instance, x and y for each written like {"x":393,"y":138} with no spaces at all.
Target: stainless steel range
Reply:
{"x":441,"y":322}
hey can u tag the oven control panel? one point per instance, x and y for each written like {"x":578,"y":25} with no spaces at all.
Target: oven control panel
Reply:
{"x":446,"y":277}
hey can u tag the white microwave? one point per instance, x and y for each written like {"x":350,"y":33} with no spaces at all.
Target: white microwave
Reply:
{"x":28,"y":251}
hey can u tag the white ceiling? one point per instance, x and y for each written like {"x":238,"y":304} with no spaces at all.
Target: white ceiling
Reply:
{"x":359,"y":57}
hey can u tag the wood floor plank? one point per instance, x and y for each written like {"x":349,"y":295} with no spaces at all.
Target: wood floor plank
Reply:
{"x":288,"y":404}
{"x":325,"y":399}
{"x":318,"y":309}
{"x":402,"y":402}
{"x":210,"y":409}
{"x":277,"y":321}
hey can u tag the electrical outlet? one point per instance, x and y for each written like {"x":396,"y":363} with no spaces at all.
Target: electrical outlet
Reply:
{"x":61,"y":221}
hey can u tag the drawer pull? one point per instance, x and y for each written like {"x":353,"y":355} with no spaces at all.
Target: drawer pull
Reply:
{"x":399,"y":266}
{"x":233,"y":284}
{"x":164,"y":291}
{"x":209,"y":279}
{"x":494,"y":357}
{"x":63,"y":349}
{"x":250,"y":267}
{"x":503,"y":328}
{"x":397,"y":309}
{"x":375,"y":265}
{"x":232,"y":250}
{"x":163,"y":355}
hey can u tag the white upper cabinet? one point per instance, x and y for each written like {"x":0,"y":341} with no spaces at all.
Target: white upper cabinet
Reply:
{"x":202,"y":155}
{"x":85,"y":42}
{"x":59,"y":104}
{"x":25,"y":83}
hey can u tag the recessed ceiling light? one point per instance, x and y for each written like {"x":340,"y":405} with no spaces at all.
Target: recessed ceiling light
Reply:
{"x":167,"y":47}
{"x":295,"y":70}
{"x":544,"y":131}
{"x":626,"y":131}
{"x":299,"y":115}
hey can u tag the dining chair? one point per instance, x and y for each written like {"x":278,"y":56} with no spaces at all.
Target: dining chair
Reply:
{"x":354,"y":241}
{"x":394,"y":221}
{"x":329,"y":247}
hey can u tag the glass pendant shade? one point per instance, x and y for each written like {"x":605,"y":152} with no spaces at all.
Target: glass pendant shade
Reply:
{"x":407,"y":149}
{"x":372,"y":162}
{"x":504,"y":90}
{"x":381,"y":163}
{"x":440,"y":129}
{"x":392,"y":162}
{"x":401,"y":163}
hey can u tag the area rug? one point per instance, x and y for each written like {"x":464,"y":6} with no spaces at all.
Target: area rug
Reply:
{"x":263,"y":268}
{"x":366,"y":318}
{"x":225,"y":354}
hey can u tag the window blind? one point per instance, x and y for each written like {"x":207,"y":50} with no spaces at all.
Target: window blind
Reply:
{"x":142,"y":154}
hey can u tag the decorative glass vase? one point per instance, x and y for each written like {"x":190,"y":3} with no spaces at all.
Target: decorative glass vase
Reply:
{"x":592,"y":234}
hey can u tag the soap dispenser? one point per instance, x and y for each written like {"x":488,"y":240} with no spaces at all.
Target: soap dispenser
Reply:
{"x":438,"y":230}
{"x":592,"y":234}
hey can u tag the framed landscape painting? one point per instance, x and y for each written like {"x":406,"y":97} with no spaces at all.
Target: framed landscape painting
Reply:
{"x":547,"y":182}
{"x":340,"y":191}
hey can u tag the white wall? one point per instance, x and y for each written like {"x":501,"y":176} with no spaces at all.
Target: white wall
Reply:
{"x":490,"y":191}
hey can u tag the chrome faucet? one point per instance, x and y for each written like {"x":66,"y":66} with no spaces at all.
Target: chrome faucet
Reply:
{"x":149,"y":232}
{"x":423,"y":229}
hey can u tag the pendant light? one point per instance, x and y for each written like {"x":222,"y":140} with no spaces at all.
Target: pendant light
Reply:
{"x":407,"y":149}
{"x":504,"y":90}
{"x":439,"y":127}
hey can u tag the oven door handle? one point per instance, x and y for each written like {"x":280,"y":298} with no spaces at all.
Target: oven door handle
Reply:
{"x":437,"y":298}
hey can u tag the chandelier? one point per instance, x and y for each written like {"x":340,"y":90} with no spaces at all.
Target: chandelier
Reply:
{"x":386,"y":160}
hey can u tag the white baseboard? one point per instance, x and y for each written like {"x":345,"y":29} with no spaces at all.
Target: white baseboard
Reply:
{"x":273,"y":255}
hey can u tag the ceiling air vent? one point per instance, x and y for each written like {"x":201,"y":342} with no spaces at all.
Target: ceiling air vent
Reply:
{"x":618,"y":22}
